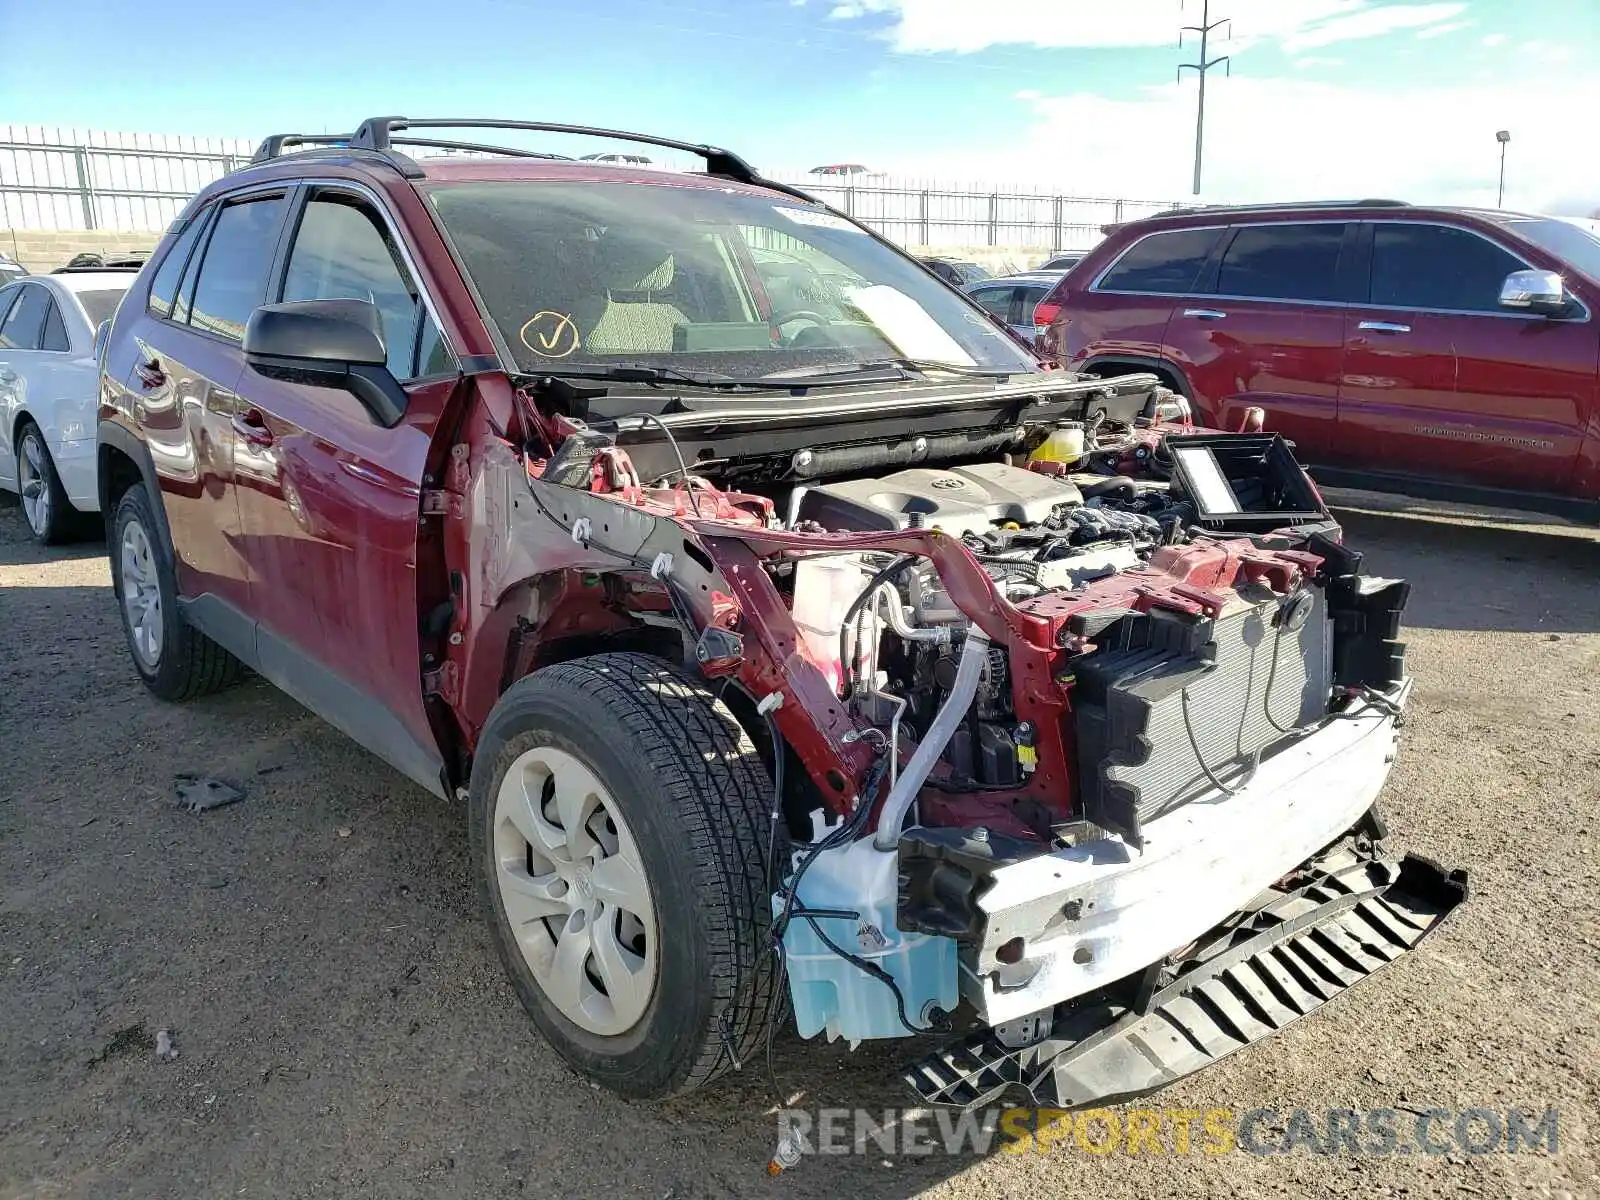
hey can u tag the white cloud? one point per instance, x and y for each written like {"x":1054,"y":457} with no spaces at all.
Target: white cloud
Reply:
{"x":962,"y":26}
{"x":1434,"y":31}
{"x":1494,"y":39}
{"x":1371,"y":22}
{"x":1313,"y":60}
{"x":1281,"y":139}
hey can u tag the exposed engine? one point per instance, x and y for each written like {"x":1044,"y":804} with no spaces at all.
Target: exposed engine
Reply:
{"x":1190,"y":653}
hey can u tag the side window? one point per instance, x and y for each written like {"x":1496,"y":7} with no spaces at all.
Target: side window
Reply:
{"x":995,"y":300}
{"x":55,"y":330}
{"x":342,"y":252}
{"x":164,"y":287}
{"x":1435,"y":266}
{"x":1165,"y":263}
{"x":7,"y":295}
{"x":1027,"y":300}
{"x":24,"y":324}
{"x":233,"y":273}
{"x":1283,"y":262}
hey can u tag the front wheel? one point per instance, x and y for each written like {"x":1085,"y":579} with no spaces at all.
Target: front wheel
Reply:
{"x":621,"y":833}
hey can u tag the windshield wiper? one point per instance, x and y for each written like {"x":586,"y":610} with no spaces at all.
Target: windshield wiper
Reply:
{"x":625,"y":373}
{"x":878,"y":371}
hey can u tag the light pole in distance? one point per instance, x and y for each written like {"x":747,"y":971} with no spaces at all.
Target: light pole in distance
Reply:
{"x":1503,"y":136}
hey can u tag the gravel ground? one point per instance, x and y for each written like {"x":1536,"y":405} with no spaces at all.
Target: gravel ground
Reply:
{"x":344,"y":1030}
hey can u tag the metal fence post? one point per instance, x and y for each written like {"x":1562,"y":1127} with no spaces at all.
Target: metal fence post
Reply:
{"x":80,"y":156}
{"x":1060,"y":201}
{"x":994,"y":216}
{"x":850,"y":201}
{"x":1116,"y":212}
{"x":922,"y":211}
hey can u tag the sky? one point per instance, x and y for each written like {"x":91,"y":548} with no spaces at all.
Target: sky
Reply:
{"x":1320,"y":99}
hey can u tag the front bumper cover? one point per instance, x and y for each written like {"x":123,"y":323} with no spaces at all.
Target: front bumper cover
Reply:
{"x":1100,"y":911}
{"x":1293,"y":949}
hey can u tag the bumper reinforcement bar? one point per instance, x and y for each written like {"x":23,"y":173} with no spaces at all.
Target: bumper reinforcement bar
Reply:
{"x":1334,"y":922}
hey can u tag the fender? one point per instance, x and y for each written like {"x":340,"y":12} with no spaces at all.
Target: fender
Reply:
{"x":111,"y":434}
{"x":1158,"y":366}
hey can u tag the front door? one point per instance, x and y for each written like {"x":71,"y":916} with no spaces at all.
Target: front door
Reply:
{"x":330,"y":500}
{"x":1440,"y":381}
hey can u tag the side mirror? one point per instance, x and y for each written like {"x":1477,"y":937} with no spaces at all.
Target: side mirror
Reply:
{"x":1535,"y":291}
{"x":327,"y":343}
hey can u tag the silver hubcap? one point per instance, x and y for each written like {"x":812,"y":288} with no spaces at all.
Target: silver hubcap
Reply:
{"x":141,"y":594}
{"x":574,"y":891}
{"x":34,"y":483}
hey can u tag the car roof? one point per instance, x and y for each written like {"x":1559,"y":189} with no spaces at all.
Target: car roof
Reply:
{"x":91,"y":281}
{"x":1372,"y":210}
{"x":1042,"y":277}
{"x":482,"y":168}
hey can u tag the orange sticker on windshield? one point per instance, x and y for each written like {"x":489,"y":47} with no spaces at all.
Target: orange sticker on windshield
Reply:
{"x":550,"y":334}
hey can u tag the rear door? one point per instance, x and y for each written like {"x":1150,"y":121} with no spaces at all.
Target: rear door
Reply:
{"x":187,"y":366}
{"x":23,"y":310}
{"x":1440,"y":381}
{"x":1270,"y":333}
{"x":330,"y":500}
{"x":1123,"y":312}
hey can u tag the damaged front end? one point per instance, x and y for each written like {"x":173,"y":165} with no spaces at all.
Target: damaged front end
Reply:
{"x":1084,"y":744}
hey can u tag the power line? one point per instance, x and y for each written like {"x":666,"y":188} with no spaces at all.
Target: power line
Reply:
{"x":1200,"y":68}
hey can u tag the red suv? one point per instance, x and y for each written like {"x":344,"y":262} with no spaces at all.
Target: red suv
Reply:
{"x":785,"y":631}
{"x":1436,"y":351}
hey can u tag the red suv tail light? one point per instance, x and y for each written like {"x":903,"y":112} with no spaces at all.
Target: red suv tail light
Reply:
{"x":1046,"y":312}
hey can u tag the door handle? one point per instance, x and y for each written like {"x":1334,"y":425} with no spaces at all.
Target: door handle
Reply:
{"x":1204,"y":314}
{"x":1384,"y":327}
{"x":150,"y":374}
{"x":252,"y":427}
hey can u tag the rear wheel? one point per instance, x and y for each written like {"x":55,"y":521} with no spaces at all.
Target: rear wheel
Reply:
{"x":621,"y":831}
{"x":50,"y":515}
{"x":175,"y":660}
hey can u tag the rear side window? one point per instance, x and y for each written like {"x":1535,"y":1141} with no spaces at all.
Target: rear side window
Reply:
{"x":341,"y":253}
{"x":1435,"y":266}
{"x":233,"y":274}
{"x":24,"y":324}
{"x":1283,"y":262}
{"x":1165,"y":263}
{"x":55,"y":330}
{"x":7,"y":296}
{"x":164,"y":287}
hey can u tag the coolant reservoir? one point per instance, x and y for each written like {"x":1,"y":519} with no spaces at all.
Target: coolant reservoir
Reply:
{"x":1064,"y":445}
{"x":824,"y":589}
{"x":833,"y":994}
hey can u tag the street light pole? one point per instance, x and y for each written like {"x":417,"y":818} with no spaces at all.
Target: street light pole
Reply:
{"x":1503,"y":136}
{"x":1200,"y":68}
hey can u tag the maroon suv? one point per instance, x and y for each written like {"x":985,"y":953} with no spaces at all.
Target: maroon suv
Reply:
{"x":1437,"y":351}
{"x":786,"y":632}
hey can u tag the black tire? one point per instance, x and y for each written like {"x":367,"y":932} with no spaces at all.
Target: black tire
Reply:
{"x":697,"y":798}
{"x":188,"y":664}
{"x":62,"y":522}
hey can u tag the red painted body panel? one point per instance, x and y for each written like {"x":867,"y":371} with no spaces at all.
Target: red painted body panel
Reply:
{"x":1499,"y":399}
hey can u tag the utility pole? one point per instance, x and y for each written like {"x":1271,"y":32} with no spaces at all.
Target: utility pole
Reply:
{"x":1200,"y":68}
{"x":1503,"y":136}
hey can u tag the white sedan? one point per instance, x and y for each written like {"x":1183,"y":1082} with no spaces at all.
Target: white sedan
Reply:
{"x":49,"y":385}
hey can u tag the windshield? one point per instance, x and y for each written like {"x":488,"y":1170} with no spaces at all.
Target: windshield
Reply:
{"x":1578,"y":242}
{"x":101,"y":304}
{"x":701,"y":279}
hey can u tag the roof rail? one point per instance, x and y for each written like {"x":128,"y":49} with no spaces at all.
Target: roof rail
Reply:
{"x":274,"y":145}
{"x":1268,"y":206}
{"x":376,"y":133}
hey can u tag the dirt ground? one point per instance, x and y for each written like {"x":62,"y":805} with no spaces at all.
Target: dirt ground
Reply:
{"x":344,"y":1030}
